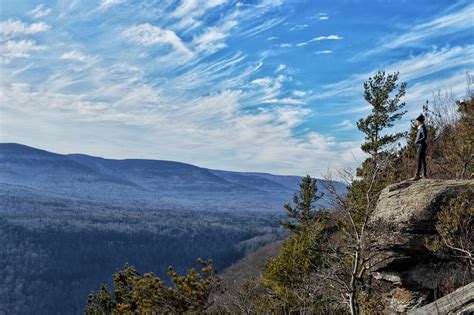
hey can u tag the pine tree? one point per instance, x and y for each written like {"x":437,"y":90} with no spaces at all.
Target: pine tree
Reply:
{"x":303,"y":213}
{"x":386,"y":110}
{"x":134,"y":294}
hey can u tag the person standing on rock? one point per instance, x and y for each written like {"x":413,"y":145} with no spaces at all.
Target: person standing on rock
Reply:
{"x":421,"y":146}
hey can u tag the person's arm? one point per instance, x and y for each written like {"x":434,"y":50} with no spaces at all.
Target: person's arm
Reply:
{"x":422,"y":137}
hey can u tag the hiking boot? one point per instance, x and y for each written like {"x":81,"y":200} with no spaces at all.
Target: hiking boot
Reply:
{"x":417,"y":177}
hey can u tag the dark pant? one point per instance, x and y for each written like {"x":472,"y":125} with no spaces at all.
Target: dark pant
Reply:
{"x":421,"y":159}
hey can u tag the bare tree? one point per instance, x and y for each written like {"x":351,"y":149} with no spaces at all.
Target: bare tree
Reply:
{"x":351,"y":256}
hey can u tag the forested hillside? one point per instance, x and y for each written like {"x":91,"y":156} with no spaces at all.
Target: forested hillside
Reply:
{"x":69,"y":221}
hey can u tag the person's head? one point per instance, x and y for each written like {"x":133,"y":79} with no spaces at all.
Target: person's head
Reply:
{"x":420,"y":120}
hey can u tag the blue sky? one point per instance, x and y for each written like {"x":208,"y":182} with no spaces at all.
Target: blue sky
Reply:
{"x":262,"y":85}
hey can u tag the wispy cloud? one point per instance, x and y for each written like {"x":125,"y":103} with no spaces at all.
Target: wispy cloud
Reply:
{"x":320,"y":38}
{"x":39,"y":11}
{"x":11,"y":28}
{"x":324,"y":52}
{"x":298,"y":27}
{"x":107,"y":4}
{"x":345,"y":125}
{"x":285,"y":100}
{"x":451,"y":23}
{"x":149,"y":35}
{"x":321,"y":16}
{"x":77,"y":55}
{"x":280,"y":68}
{"x":11,"y":49}
{"x":413,"y":68}
{"x":256,"y":28}
{"x":330,"y":37}
{"x":195,"y":8}
{"x":212,"y":39}
{"x":418,"y":69}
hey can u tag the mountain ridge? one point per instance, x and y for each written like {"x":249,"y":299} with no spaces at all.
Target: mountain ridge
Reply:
{"x":152,"y":182}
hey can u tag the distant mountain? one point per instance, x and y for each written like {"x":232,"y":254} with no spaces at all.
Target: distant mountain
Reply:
{"x":149,"y":182}
{"x":155,"y":174}
{"x":67,"y":222}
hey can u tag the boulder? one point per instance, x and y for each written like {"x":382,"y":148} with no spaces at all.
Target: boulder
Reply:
{"x":400,"y":227}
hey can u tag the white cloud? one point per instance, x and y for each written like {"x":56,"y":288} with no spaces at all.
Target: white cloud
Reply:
{"x":299,"y":93}
{"x":11,"y":28}
{"x":77,"y":55}
{"x":105,"y":4}
{"x":17,"y":49}
{"x":298,"y":27}
{"x":188,"y":23}
{"x":322,"y":18}
{"x":213,"y":38}
{"x":285,"y":100}
{"x":256,"y":27}
{"x":320,"y":38}
{"x":324,"y":52}
{"x":270,"y":3}
{"x":280,"y":68}
{"x":263,"y":81}
{"x":285,"y":45}
{"x":39,"y":11}
{"x":330,"y":37}
{"x":149,"y":35}
{"x":195,"y":8}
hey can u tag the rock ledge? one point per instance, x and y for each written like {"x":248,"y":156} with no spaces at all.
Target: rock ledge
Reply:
{"x":403,"y":221}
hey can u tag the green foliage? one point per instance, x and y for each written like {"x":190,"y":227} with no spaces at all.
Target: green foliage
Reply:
{"x":289,"y":276}
{"x":303,"y":214}
{"x":455,"y":228}
{"x":295,"y":261}
{"x":134,"y":294}
{"x":286,"y":284}
{"x":385,"y":112}
{"x":377,"y":171}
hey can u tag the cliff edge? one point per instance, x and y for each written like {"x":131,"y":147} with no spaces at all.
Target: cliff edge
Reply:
{"x":400,"y":228}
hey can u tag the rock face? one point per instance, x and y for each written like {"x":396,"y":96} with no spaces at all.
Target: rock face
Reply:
{"x":460,"y":301}
{"x":403,"y":221}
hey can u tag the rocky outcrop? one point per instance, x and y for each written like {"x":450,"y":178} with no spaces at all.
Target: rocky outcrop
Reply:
{"x":460,"y":301}
{"x":400,"y":227}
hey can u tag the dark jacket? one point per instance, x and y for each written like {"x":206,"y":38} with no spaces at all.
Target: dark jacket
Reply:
{"x":421,"y":136}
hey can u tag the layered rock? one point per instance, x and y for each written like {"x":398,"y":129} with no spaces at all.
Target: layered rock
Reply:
{"x":460,"y":301}
{"x":402,"y":224}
